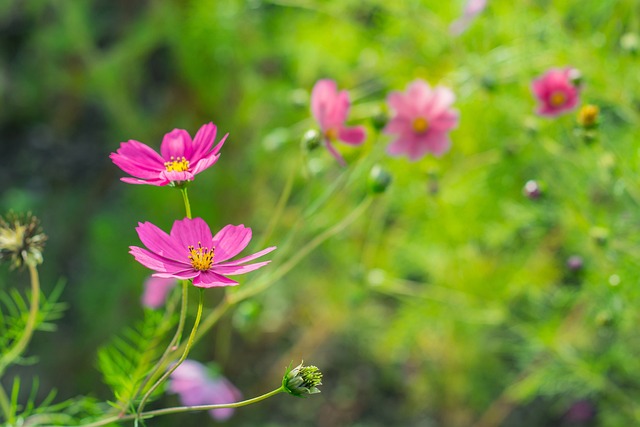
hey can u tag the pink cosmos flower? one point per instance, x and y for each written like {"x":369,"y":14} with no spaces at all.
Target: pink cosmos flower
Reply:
{"x":471,"y":10}
{"x":189,"y":251}
{"x":194,"y":385}
{"x":556,"y":91}
{"x":180,"y":158}
{"x":156,"y":291}
{"x":330,"y":108}
{"x":422,"y":121}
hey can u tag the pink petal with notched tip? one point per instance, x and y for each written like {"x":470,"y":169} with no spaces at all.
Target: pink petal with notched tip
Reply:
{"x":204,"y":163}
{"x":210,"y":279}
{"x":233,"y":270}
{"x":189,"y":232}
{"x":176,"y":144}
{"x":323,"y":95}
{"x":161,"y":243}
{"x":138,"y":160}
{"x":202,"y":142}
{"x":230,"y":241}
{"x":156,"y":262}
{"x":249,"y":257}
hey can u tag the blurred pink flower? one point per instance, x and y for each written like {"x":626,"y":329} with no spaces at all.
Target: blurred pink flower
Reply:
{"x":557,"y":91}
{"x":471,"y":10}
{"x":191,"y":252}
{"x":194,"y":385}
{"x":180,"y":158}
{"x":422,"y":120}
{"x":156,"y":290}
{"x":330,"y":108}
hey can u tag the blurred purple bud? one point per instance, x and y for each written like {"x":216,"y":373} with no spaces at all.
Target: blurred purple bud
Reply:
{"x":156,"y":291}
{"x":575,"y":263}
{"x":532,"y":189}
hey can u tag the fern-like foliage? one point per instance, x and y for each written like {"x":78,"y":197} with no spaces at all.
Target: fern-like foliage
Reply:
{"x":14,"y":311}
{"x":126,"y":361}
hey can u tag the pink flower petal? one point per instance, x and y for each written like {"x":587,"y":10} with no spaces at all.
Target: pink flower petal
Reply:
{"x":205,"y":163}
{"x":161,"y":243}
{"x":230,"y":241}
{"x":233,"y":270}
{"x":323,"y":95}
{"x":138,"y":160}
{"x":352,"y":135}
{"x":202,"y":142}
{"x":156,"y":291}
{"x":210,"y":279}
{"x":249,"y":257}
{"x":156,"y":262}
{"x":176,"y":144}
{"x":189,"y":273}
{"x":189,"y":232}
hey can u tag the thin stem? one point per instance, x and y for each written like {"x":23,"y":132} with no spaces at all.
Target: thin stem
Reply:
{"x":181,"y":409}
{"x":282,"y":202}
{"x":5,"y":405}
{"x":20,"y":345}
{"x":172,"y":344}
{"x":187,"y":348}
{"x":185,"y":198}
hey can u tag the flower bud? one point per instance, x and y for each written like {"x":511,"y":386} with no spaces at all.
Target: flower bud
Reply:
{"x":379,"y":119}
{"x":576,"y":78}
{"x":379,"y":180}
{"x":532,"y":189}
{"x":21,"y":240}
{"x":311,"y":140}
{"x":575,"y":263}
{"x":588,"y":116}
{"x":302,"y":380}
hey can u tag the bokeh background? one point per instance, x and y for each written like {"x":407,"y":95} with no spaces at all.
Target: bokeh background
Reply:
{"x":450,"y":303}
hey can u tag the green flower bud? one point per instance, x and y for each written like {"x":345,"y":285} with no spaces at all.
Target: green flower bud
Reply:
{"x":302,"y":380}
{"x":311,"y":140}
{"x":379,"y":119}
{"x":21,"y":240}
{"x":379,"y":179}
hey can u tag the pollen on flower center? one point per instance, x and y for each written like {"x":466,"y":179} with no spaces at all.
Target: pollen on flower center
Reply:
{"x":331,"y":134}
{"x":177,"y":164}
{"x":557,"y":99}
{"x":420,"y":125}
{"x":201,"y":258}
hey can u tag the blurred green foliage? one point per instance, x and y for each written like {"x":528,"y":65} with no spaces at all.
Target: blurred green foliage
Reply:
{"x":450,"y":303}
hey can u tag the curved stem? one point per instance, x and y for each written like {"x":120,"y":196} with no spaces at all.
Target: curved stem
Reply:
{"x":180,"y":409}
{"x":187,"y":348}
{"x":5,"y":405}
{"x":282,"y":202}
{"x":21,"y":344}
{"x":185,"y":198}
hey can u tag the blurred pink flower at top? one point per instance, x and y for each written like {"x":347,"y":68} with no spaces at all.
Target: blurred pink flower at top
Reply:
{"x":189,"y":251}
{"x":330,"y":108}
{"x":180,"y":158}
{"x":156,"y":290}
{"x":557,"y":91}
{"x":471,"y":10}
{"x":193,"y":383}
{"x":422,"y":121}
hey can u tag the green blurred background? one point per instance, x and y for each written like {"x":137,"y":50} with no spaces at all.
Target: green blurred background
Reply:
{"x":449,"y":303}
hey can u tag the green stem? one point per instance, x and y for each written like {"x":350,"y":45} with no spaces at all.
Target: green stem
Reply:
{"x":172,"y":344}
{"x":282,"y":202}
{"x":185,"y":353}
{"x":185,"y":198}
{"x":181,"y":409}
{"x":5,"y":405}
{"x":21,"y":344}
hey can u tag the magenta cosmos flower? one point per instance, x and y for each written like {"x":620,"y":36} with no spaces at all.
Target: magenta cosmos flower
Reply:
{"x":180,"y":158}
{"x":422,"y":120}
{"x":330,"y":108}
{"x":189,"y":251}
{"x":193,"y":383}
{"x":557,"y":91}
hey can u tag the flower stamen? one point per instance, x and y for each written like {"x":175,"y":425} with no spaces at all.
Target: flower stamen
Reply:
{"x":331,"y":134}
{"x":420,"y":125}
{"x":557,"y":99}
{"x":177,"y":164}
{"x":201,"y":257}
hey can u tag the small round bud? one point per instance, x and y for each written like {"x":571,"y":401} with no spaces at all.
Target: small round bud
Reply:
{"x":532,"y":189}
{"x":575,"y":76}
{"x":575,"y":263}
{"x":379,"y":119}
{"x":302,"y":380}
{"x":588,"y":116}
{"x":379,"y":180}
{"x":311,"y":139}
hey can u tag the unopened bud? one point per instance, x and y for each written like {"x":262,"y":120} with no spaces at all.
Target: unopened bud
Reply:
{"x":575,"y":76}
{"x":379,"y":180}
{"x":311,"y":140}
{"x":532,"y":189}
{"x":379,"y":119}
{"x":302,"y":380}
{"x":588,"y":116}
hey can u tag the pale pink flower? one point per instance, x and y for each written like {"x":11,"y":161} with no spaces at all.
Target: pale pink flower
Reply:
{"x":189,"y":251}
{"x":330,"y":108}
{"x":471,"y":10}
{"x":422,"y":121}
{"x":557,"y":91}
{"x":156,"y":291}
{"x":180,"y":158}
{"x":193,"y":383}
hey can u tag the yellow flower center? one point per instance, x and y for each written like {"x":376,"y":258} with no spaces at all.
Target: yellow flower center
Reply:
{"x":420,"y":125}
{"x":557,"y":99}
{"x":179,"y":164}
{"x":331,"y":134}
{"x":201,"y":258}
